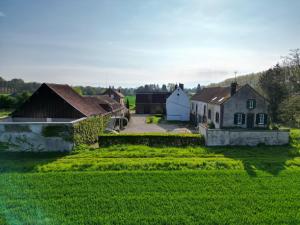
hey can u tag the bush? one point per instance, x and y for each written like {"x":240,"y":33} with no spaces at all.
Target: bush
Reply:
{"x":87,"y":131}
{"x":211,"y":125}
{"x":176,"y":140}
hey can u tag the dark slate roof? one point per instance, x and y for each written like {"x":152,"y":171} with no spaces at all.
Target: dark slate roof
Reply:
{"x":86,"y":107}
{"x":107,"y":103}
{"x":214,"y":95}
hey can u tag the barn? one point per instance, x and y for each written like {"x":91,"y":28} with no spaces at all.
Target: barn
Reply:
{"x":151,"y":102}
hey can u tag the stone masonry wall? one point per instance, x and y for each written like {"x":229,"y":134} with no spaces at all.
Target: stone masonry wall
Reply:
{"x":36,"y":137}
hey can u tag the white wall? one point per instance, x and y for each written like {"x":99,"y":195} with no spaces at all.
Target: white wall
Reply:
{"x":178,"y":106}
{"x":238,"y":137}
{"x":214,"y":109}
{"x":200,"y":105}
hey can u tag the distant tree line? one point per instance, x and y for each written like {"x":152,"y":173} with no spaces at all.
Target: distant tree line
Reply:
{"x":165,"y":88}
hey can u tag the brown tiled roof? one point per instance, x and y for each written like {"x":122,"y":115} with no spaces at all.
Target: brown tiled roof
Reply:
{"x":214,"y":95}
{"x":107,"y":103}
{"x":115,"y":92}
{"x":86,"y":107}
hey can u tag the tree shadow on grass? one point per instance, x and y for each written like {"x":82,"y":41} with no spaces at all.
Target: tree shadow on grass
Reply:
{"x":26,"y":161}
{"x":271,"y":159}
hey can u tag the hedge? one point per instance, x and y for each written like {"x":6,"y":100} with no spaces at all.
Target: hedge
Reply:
{"x":87,"y":131}
{"x":151,"y":139}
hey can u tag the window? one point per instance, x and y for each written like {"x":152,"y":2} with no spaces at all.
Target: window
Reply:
{"x":260,"y":119}
{"x":239,"y":118}
{"x":251,"y":104}
{"x":209,"y":114}
{"x":217,"y":117}
{"x":204,"y":110}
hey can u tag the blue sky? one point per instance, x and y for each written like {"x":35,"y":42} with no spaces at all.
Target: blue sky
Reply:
{"x":132,"y":42}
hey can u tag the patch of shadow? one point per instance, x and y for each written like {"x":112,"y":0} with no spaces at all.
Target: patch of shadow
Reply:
{"x":27,"y":161}
{"x":271,"y":159}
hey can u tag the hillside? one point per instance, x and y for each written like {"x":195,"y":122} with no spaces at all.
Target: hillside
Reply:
{"x":251,"y":79}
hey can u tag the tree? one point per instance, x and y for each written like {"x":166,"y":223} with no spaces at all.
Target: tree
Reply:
{"x":272,"y":82}
{"x":127,"y":104}
{"x":78,"y":90}
{"x":290,"y":111}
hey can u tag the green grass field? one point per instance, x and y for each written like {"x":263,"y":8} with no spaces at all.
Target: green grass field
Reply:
{"x":131,"y":99}
{"x":147,"y":185}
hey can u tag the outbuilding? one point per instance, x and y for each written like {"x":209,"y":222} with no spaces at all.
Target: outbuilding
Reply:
{"x":178,"y":105}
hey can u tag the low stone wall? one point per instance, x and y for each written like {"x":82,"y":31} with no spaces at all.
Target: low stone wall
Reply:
{"x":232,"y":137}
{"x":36,"y":137}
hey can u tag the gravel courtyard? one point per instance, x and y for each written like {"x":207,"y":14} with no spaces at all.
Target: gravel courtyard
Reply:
{"x":138,"y":124}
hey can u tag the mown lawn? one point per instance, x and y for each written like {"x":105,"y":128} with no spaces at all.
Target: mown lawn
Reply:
{"x":144,"y":185}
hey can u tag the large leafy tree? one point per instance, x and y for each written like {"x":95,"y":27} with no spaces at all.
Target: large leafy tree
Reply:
{"x":272,"y":82}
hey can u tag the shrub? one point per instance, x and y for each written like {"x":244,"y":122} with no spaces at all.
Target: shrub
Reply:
{"x":176,"y":140}
{"x":87,"y":131}
{"x":211,"y":125}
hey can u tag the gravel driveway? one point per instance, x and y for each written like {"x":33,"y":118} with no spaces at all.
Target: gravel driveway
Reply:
{"x":137,"y":124}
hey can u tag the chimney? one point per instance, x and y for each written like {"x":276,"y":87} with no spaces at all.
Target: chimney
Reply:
{"x":233,"y":88}
{"x":181,"y":86}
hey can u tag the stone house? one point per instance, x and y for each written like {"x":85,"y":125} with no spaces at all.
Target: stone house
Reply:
{"x":178,"y":105}
{"x":230,"y":107}
{"x":115,"y":95}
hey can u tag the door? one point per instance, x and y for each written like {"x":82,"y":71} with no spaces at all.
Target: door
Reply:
{"x":250,"y":120}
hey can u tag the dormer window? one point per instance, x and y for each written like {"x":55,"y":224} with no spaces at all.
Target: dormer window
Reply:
{"x":251,"y":104}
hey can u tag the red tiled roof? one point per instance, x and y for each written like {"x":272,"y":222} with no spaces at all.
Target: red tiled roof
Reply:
{"x":214,"y":95}
{"x":106,"y":102}
{"x":86,"y":107}
{"x":115,"y":92}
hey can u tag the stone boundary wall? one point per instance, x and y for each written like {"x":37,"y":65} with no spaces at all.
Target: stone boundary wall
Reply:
{"x":239,"y":137}
{"x":36,"y":136}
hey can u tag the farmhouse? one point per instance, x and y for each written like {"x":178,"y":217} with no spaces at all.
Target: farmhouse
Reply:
{"x":228,"y":107}
{"x":178,"y":105}
{"x":115,"y":95}
{"x":151,"y":102}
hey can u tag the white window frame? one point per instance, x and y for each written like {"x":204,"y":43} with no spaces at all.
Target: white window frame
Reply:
{"x":239,"y":120}
{"x":261,"y":119}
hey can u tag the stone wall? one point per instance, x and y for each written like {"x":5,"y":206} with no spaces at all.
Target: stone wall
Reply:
{"x":36,"y":136}
{"x":232,"y":137}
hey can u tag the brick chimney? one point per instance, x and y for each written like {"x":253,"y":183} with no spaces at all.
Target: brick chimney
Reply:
{"x":181,"y":86}
{"x":233,"y":88}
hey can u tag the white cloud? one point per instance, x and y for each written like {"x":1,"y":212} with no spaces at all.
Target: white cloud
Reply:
{"x":2,"y":14}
